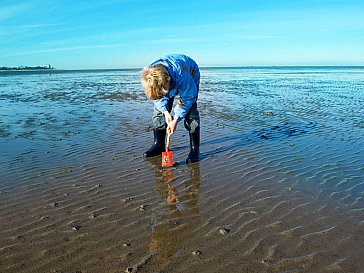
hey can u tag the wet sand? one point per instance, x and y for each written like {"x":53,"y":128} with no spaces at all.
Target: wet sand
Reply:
{"x":76,"y":198}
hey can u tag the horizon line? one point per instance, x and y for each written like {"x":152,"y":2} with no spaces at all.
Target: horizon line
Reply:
{"x":54,"y":69}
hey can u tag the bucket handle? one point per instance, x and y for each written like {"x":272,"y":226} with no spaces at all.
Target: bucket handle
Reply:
{"x":168,"y":141}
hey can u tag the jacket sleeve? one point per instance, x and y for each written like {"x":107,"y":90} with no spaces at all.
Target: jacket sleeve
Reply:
{"x":188,"y":93}
{"x":161,"y":104}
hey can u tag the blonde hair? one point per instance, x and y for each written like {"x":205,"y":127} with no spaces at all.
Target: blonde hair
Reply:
{"x":155,"y":80}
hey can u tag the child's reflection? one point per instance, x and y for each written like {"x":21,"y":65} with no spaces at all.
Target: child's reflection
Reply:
{"x":178,"y":214}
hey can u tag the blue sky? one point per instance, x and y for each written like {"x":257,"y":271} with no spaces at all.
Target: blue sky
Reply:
{"x":71,"y":34}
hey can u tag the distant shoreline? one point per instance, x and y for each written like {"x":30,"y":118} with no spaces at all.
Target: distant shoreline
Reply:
{"x":29,"y":71}
{"x":54,"y":71}
{"x":26,"y":68}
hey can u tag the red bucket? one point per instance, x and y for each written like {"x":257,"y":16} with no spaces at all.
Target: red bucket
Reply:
{"x":167,"y":158}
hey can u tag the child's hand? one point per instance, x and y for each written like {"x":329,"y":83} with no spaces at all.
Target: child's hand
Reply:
{"x":172,"y":126}
{"x":168,"y":117}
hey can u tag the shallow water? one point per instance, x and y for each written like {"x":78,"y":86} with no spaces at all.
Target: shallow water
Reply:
{"x":282,"y":170}
{"x":322,"y":105}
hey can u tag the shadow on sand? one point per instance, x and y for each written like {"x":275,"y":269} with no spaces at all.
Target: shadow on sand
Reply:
{"x":274,"y":133}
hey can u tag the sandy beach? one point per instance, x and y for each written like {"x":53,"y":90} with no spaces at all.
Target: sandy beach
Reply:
{"x":279,"y":187}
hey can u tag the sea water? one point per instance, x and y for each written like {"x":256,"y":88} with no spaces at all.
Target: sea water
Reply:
{"x":317,"y":112}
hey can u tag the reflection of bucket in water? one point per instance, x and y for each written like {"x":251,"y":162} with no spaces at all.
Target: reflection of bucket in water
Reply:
{"x":171,"y":192}
{"x":167,"y":175}
{"x":175,"y":222}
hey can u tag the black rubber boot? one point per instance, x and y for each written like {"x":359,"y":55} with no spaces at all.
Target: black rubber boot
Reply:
{"x":159,"y":145}
{"x":194,"y":154}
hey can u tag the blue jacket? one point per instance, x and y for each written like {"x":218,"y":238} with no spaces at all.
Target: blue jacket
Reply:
{"x":185,"y":80}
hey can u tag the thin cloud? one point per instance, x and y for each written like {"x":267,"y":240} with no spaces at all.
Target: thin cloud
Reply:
{"x":10,"y":30}
{"x":62,"y":49}
{"x":258,"y":37}
{"x":36,"y":26}
{"x":166,"y":41}
{"x":11,"y":11}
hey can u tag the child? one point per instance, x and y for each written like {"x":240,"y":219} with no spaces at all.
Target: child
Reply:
{"x":162,"y":81}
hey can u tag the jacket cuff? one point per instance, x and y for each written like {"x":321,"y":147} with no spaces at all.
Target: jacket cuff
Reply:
{"x":163,"y":109}
{"x":178,"y":118}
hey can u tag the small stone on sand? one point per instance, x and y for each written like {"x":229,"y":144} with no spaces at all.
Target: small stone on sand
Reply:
{"x":266,"y":261}
{"x":66,"y":170}
{"x":143,"y":207}
{"x":128,"y":270}
{"x":224,"y":231}
{"x":76,"y":227}
{"x":127,"y":199}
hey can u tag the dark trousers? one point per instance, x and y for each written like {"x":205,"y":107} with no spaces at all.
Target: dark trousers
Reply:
{"x":191,"y":121}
